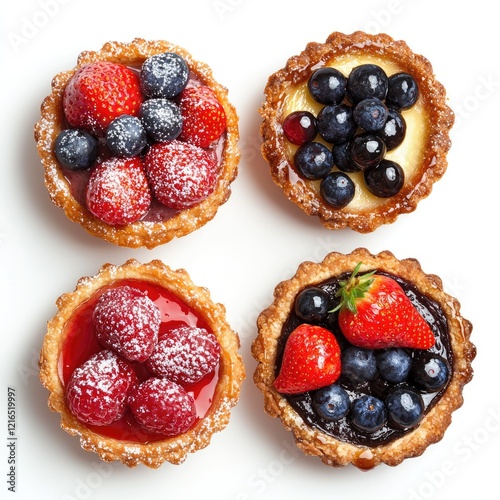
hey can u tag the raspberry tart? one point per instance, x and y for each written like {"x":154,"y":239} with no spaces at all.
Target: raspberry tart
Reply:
{"x":138,"y":142}
{"x":364,"y":358}
{"x":356,"y":130}
{"x":141,"y":364}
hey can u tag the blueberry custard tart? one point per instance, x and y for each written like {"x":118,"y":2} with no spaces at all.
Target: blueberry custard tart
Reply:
{"x":363,"y":358}
{"x":138,"y":142}
{"x":356,"y":130}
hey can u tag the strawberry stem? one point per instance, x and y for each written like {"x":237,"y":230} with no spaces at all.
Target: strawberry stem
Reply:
{"x":353,"y":289}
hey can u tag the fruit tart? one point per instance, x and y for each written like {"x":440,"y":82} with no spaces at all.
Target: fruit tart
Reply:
{"x":141,"y":364}
{"x":356,"y":130}
{"x":364,"y":358}
{"x":138,"y":142}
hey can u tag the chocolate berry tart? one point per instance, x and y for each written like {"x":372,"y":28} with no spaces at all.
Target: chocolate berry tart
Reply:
{"x":141,"y":364}
{"x":356,"y":130}
{"x":364,"y":358}
{"x":138,"y":143}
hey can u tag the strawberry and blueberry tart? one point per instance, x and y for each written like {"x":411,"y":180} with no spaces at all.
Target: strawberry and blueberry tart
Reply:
{"x":356,"y":130}
{"x":138,"y":143}
{"x":141,"y":364}
{"x":364,"y":358}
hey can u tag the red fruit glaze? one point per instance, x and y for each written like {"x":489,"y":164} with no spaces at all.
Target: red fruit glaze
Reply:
{"x":181,"y":175}
{"x":118,"y":191}
{"x":98,"y":389}
{"x":81,"y":343}
{"x":311,"y":360}
{"x":203,"y":117}
{"x":185,"y":355}
{"x":99,"y":92}
{"x":162,"y":406}
{"x":127,"y":321}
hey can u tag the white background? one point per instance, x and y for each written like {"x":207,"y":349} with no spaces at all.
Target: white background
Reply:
{"x":257,"y":239}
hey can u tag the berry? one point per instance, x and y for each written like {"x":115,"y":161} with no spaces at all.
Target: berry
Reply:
{"x":126,"y":136}
{"x":127,"y":321}
{"x":385,"y":179}
{"x":370,"y":114}
{"x":337,"y":189}
{"x":117,"y":191}
{"x":162,"y":119}
{"x":98,"y":93}
{"x":162,"y":406}
{"x":359,"y":365}
{"x":185,"y":355}
{"x":394,"y":365}
{"x":367,"y":80}
{"x":204,"y":118}
{"x":336,"y":123}
{"x":366,"y":150}
{"x":327,"y":86}
{"x":331,"y":402}
{"x":300,"y":127}
{"x":312,"y":304}
{"x":402,"y":91}
{"x":311,"y":360}
{"x":405,"y":407}
{"x":375,"y":313}
{"x":97,"y":390}
{"x":164,"y":75}
{"x":313,"y":160}
{"x":430,"y":372}
{"x":368,"y":413}
{"x":394,"y":131}
{"x":342,"y":159}
{"x":181,"y":174}
{"x":75,"y":149}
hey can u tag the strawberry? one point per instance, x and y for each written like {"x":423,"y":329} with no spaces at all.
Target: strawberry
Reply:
{"x":98,"y":93}
{"x":375,"y":313}
{"x":311,"y":360}
{"x":204,"y":118}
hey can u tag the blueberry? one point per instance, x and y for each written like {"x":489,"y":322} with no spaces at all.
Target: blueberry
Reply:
{"x":327,"y":86}
{"x":430,"y":372}
{"x":394,"y":131}
{"x":337,"y":189}
{"x":300,"y":127}
{"x":370,"y":114}
{"x":394,"y":365}
{"x":385,"y":179}
{"x":367,"y":150}
{"x":367,"y":80}
{"x":342,"y":159}
{"x":312,"y":304}
{"x":161,"y":118}
{"x":164,"y":75}
{"x":368,"y":413}
{"x":358,"y":364}
{"x":402,"y":91}
{"x":313,"y":160}
{"x":405,"y":407}
{"x":331,"y":402}
{"x":75,"y":149}
{"x":126,"y":136}
{"x":336,"y":123}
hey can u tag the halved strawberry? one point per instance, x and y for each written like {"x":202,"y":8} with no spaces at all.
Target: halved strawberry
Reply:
{"x":375,"y":313}
{"x":204,"y":118}
{"x":311,"y":360}
{"x":98,"y":93}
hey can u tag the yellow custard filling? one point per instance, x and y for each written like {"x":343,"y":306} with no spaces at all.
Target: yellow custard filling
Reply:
{"x":409,"y":154}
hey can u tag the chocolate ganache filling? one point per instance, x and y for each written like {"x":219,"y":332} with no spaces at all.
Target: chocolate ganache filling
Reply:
{"x":343,"y":429}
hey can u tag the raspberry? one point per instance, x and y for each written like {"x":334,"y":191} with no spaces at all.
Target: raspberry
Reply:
{"x":118,"y":192}
{"x":181,"y":175}
{"x":185,"y":355}
{"x":127,"y":321}
{"x":98,"y":389}
{"x":162,"y":406}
